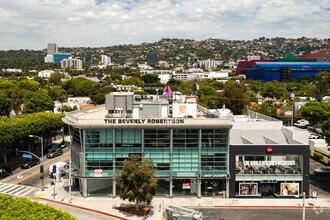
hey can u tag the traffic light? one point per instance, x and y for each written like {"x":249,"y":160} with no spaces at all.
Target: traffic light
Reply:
{"x":41,"y":169}
{"x":54,"y":169}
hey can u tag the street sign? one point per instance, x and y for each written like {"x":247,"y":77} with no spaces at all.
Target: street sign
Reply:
{"x":98,"y":173}
{"x":27,"y":156}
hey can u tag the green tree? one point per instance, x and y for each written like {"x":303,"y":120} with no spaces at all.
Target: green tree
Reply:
{"x":321,"y":85}
{"x":38,"y":101}
{"x":234,"y":99}
{"x":137,"y":181}
{"x":150,"y":78}
{"x":116,"y":76}
{"x":132,"y":81}
{"x":326,"y":130}
{"x":5,"y":105}
{"x":187,"y":87}
{"x":217,"y":85}
{"x":304,"y":79}
{"x":56,"y":92}
{"x":79,"y":86}
{"x":55,"y":79}
{"x":30,"y":85}
{"x":315,"y":111}
{"x":206,"y":96}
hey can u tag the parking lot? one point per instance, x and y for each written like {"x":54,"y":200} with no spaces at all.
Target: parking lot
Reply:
{"x":317,"y":183}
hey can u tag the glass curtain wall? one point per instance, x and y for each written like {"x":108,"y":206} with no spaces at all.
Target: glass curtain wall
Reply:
{"x":157,"y":148}
{"x":214,"y":152}
{"x":185,"y":155}
{"x":99,"y":151}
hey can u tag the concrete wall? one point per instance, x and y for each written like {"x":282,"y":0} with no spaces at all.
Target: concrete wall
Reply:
{"x":295,"y":135}
{"x":257,"y":125}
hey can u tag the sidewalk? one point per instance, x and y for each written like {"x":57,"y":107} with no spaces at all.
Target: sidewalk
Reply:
{"x":104,"y":205}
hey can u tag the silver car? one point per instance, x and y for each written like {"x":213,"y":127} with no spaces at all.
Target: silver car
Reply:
{"x":322,"y":171}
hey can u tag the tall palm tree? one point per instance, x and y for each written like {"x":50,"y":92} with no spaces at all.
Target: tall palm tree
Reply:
{"x":321,"y":86}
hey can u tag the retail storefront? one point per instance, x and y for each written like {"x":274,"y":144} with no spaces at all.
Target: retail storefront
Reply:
{"x":269,"y":171}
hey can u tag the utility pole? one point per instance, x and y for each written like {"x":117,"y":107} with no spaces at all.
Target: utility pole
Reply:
{"x":293,"y":104}
{"x":42,"y":161}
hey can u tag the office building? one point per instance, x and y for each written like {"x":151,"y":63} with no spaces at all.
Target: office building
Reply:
{"x":209,"y":63}
{"x":52,"y":48}
{"x":105,"y":60}
{"x":72,"y":63}
{"x":152,"y":57}
{"x":49,"y":58}
{"x":58,"y":57}
{"x":196,"y":152}
{"x":284,"y":71}
{"x":242,"y":65}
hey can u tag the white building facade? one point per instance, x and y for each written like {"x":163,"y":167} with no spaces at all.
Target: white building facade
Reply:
{"x":73,"y":63}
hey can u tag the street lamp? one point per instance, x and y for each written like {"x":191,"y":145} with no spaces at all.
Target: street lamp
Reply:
{"x":42,"y":161}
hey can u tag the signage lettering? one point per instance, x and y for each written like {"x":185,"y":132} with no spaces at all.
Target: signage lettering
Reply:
{"x":142,"y":121}
{"x":263,"y":162}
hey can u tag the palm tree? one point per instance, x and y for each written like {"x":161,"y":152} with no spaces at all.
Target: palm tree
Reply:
{"x":321,"y":86}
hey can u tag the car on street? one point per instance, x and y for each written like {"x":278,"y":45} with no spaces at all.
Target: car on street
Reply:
{"x":30,"y":163}
{"x":5,"y":171}
{"x":64,"y":144}
{"x":322,"y":171}
{"x":54,"y":152}
{"x":313,"y":135}
{"x":301,"y":123}
{"x":52,"y":146}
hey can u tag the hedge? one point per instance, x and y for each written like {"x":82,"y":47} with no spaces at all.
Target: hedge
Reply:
{"x":23,"y":208}
{"x":319,"y":157}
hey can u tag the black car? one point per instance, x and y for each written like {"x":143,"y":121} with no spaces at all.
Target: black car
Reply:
{"x":55,"y":152}
{"x":30,"y":163}
{"x":5,"y":171}
{"x":64,"y":144}
{"x":52,"y":146}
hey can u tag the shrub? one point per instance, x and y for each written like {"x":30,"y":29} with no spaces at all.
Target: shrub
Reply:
{"x":23,"y":208}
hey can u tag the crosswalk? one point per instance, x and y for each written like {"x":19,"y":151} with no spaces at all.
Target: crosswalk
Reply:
{"x":15,"y":190}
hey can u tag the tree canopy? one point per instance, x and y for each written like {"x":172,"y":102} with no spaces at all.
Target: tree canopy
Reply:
{"x":38,"y":101}
{"x":137,"y":180}
{"x":79,"y":86}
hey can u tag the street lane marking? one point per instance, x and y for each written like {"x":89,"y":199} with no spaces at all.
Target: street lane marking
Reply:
{"x":16,"y":190}
{"x":45,"y":168}
{"x":39,"y":195}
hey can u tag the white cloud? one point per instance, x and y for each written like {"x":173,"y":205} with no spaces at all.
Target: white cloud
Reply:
{"x":33,"y":23}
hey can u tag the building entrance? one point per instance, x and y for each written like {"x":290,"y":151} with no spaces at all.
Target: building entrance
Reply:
{"x":267,"y":189}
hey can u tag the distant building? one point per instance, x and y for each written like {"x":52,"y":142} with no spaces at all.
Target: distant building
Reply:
{"x":105,"y":60}
{"x":45,"y":73}
{"x":122,"y":59}
{"x":242,"y":65}
{"x":73,"y":63}
{"x":52,"y":48}
{"x":320,"y":57}
{"x":209,"y":63}
{"x":253,"y":58}
{"x":58,"y":57}
{"x":152,"y":57}
{"x":49,"y":58}
{"x":282,"y":71}
{"x":83,"y":59}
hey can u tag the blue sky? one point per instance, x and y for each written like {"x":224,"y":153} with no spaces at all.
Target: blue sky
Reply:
{"x":31,"y":24}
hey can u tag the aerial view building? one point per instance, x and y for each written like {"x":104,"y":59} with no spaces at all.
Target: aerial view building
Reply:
{"x":189,"y":145}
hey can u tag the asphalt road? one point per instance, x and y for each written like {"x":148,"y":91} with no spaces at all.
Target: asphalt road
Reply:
{"x":320,"y":184}
{"x":256,"y":214}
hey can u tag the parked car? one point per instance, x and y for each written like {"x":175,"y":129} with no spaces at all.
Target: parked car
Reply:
{"x":52,"y":146}
{"x":301,"y":123}
{"x":5,"y":171}
{"x":313,"y":135}
{"x":322,"y":171}
{"x":64,"y":144}
{"x":54,"y":152}
{"x":30,"y":163}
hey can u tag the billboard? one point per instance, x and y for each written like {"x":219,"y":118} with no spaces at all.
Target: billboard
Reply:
{"x":248,"y":189}
{"x":289,"y":189}
{"x":98,"y":173}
